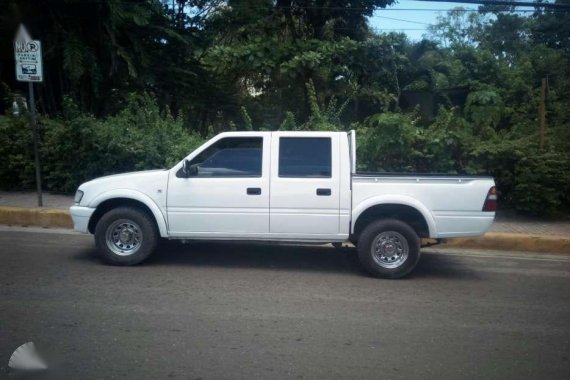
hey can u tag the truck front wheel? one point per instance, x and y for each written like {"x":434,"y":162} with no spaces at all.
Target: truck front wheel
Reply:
{"x":389,"y":248}
{"x":125,"y":236}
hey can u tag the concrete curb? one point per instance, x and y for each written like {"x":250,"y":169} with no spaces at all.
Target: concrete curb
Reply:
{"x":43,"y":217}
{"x":505,"y":241}
{"x":60,"y":218}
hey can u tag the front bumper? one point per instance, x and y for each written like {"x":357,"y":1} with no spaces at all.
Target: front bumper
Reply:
{"x":81,"y":216}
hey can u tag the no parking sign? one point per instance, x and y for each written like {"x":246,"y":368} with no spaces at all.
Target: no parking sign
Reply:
{"x":28,"y":56}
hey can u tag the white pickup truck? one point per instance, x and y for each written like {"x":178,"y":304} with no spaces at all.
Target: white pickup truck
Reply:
{"x":282,"y":186}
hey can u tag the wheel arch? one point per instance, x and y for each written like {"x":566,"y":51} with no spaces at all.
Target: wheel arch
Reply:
{"x":113,"y":199}
{"x":403,"y":208}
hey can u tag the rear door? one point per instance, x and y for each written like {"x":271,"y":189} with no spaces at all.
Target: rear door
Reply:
{"x":304,"y":198}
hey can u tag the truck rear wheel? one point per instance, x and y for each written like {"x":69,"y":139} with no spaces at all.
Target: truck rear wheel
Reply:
{"x":389,"y":248}
{"x":125,"y":236}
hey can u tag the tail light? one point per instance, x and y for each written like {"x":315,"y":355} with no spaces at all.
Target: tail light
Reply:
{"x":491,"y":200}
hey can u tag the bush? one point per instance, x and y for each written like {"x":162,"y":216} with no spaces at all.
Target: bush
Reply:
{"x":395,"y":142}
{"x":387,"y":142}
{"x":447,"y":144}
{"x":528,"y":180}
{"x":77,"y":147}
{"x":16,"y":153}
{"x":542,"y":184}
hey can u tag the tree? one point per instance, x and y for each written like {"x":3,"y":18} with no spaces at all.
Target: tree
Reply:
{"x":97,"y":51}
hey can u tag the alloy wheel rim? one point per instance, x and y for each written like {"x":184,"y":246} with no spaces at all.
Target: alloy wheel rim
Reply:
{"x":124,"y":237}
{"x":390,"y":249}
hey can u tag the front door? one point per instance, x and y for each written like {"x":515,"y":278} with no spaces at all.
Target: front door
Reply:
{"x":227,"y":194}
{"x":304,"y":184}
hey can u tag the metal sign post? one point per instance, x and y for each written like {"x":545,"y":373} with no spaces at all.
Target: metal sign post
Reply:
{"x":36,"y":150}
{"x":28,"y":56}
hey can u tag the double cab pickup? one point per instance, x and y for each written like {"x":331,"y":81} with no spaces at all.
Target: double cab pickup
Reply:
{"x":282,"y":187}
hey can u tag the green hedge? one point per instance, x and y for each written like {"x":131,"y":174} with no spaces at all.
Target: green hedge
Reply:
{"x":77,"y":147}
{"x":530,"y":180}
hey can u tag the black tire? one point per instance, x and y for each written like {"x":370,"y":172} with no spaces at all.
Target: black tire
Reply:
{"x":398,"y":236}
{"x":142,"y":225}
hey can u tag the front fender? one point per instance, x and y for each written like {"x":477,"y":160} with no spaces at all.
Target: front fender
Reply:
{"x":395,"y":199}
{"x":137,"y":196}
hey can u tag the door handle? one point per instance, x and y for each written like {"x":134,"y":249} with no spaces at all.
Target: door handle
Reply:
{"x":254,"y":191}
{"x":326,"y":192}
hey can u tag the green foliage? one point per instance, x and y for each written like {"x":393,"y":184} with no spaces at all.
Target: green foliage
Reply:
{"x":395,"y":142}
{"x":386,"y":143}
{"x":98,"y":52}
{"x":289,"y":123}
{"x":530,"y":181}
{"x":447,"y":145}
{"x":484,"y":108}
{"x":247,"y":124}
{"x":16,"y":153}
{"x":77,"y":147}
{"x":542,"y":183}
{"x":323,"y":118}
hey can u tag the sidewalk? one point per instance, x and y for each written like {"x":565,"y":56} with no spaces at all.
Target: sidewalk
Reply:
{"x":30,"y":199}
{"x":507,"y":232}
{"x":530,"y":226}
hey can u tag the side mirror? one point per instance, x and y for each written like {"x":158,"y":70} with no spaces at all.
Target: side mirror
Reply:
{"x":189,"y":170}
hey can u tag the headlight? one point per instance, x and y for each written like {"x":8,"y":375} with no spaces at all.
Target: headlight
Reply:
{"x":78,"y":196}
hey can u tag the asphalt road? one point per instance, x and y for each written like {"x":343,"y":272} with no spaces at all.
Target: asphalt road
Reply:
{"x":222,"y":311}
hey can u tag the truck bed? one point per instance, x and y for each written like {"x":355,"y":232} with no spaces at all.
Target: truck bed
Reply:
{"x":419,"y":175}
{"x":451,"y":204}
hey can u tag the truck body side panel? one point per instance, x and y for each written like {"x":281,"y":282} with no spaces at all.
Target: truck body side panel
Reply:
{"x":451,"y":205}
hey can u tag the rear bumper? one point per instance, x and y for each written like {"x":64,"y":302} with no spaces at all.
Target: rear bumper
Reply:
{"x":463,"y":224}
{"x":80,"y":216}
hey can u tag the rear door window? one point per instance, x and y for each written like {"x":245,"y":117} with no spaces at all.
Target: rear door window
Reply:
{"x":305,"y":157}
